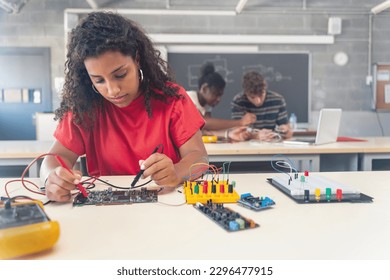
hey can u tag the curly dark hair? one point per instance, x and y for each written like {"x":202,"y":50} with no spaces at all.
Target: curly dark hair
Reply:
{"x":96,"y":34}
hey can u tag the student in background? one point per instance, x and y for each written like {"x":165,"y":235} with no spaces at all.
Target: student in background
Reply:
{"x":268,"y":106}
{"x":211,"y":86}
{"x":118,"y":104}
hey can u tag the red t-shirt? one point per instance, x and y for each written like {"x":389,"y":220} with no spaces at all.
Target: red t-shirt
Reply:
{"x":122,"y":136}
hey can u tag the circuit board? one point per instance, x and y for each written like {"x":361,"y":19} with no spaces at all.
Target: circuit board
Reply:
{"x":315,"y":188}
{"x":255,"y":203}
{"x":203,"y":191}
{"x":115,"y":197}
{"x":225,"y":217}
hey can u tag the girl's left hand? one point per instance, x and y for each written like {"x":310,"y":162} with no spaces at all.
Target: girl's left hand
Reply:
{"x":161,"y":170}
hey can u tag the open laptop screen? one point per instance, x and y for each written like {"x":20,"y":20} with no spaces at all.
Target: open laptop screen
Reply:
{"x":327,"y":128}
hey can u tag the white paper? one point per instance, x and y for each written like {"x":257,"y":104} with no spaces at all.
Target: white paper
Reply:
{"x":12,"y":95}
{"x":383,"y":75}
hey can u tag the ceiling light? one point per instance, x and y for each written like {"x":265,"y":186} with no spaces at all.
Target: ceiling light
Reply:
{"x":380,"y":7}
{"x":240,"y":6}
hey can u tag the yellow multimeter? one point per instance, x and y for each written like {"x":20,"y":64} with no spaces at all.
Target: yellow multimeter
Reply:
{"x":209,"y":139}
{"x":25,"y":229}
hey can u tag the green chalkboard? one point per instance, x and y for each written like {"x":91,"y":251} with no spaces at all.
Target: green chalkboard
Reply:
{"x":286,"y":73}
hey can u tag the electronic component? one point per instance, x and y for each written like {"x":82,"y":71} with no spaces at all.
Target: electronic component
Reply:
{"x":280,"y":131}
{"x":203,"y":191}
{"x":209,"y":139}
{"x":255,"y":203}
{"x":111,"y":197}
{"x":252,"y":130}
{"x":25,"y":229}
{"x":315,"y":188}
{"x":225,"y":217}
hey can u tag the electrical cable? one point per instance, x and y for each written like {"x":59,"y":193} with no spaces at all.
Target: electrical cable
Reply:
{"x":287,"y":163}
{"x":118,"y":187}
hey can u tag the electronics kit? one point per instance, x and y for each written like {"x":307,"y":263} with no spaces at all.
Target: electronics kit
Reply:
{"x":255,"y":203}
{"x":308,"y":188}
{"x":208,"y":195}
{"x":114,"y":197}
{"x":225,"y":217}
{"x":25,"y":228}
{"x":204,"y":190}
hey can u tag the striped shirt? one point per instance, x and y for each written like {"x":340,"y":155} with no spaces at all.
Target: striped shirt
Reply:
{"x":273,"y":112}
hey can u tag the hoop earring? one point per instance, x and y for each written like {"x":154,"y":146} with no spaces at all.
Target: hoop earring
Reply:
{"x":94,"y":89}
{"x":141,"y":75}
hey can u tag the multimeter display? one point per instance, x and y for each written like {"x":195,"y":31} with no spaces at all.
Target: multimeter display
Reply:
{"x":23,"y":214}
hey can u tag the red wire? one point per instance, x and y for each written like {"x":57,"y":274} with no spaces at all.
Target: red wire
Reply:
{"x":19,"y":180}
{"x":24,"y":181}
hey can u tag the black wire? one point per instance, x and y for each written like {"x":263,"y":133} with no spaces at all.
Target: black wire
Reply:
{"x":7,"y":204}
{"x":90,"y":185}
{"x":141,"y":185}
{"x":118,"y":187}
{"x":47,"y":202}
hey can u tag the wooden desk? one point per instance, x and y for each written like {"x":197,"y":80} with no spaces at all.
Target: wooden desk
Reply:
{"x":335,"y":231}
{"x":373,"y":149}
{"x":357,"y":155}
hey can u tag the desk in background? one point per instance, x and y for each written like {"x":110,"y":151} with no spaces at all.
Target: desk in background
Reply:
{"x":356,"y":231}
{"x":339,"y":156}
{"x":22,"y":153}
{"x":375,"y":149}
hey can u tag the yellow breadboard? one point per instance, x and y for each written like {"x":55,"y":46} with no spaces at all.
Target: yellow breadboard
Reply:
{"x":220,"y":192}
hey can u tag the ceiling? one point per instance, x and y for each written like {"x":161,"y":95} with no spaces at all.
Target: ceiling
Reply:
{"x":14,"y":6}
{"x":249,"y":5}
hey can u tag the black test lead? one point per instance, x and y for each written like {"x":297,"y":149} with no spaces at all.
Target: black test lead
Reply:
{"x":136,"y":178}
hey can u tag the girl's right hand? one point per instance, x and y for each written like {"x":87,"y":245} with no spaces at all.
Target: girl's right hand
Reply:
{"x":60,"y":183}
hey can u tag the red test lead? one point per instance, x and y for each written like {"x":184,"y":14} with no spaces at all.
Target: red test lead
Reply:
{"x":79,"y":186}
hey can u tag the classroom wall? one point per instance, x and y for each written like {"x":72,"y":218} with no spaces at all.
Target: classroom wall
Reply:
{"x":41,"y":23}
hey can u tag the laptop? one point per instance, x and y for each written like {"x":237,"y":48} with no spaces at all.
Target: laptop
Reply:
{"x":327,"y":129}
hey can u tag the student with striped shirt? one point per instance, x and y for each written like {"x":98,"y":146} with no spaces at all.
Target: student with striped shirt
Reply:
{"x":268,"y":106}
{"x":211,"y":88}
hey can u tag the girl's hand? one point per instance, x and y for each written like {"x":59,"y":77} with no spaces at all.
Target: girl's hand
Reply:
{"x":60,"y":183}
{"x":161,"y":170}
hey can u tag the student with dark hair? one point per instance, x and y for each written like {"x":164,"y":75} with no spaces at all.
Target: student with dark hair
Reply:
{"x":268,"y":106}
{"x":211,"y":86}
{"x":119,"y":103}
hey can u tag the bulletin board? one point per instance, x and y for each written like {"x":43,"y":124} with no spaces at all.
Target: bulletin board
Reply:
{"x":382,"y":86}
